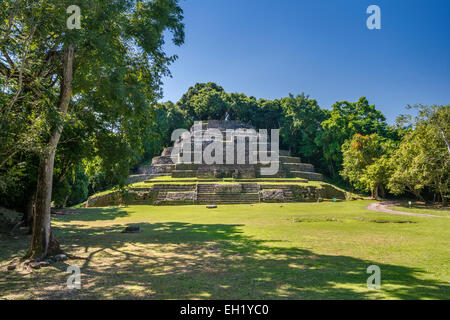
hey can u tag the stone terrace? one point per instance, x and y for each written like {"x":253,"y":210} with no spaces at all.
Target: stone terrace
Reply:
{"x":184,"y":166}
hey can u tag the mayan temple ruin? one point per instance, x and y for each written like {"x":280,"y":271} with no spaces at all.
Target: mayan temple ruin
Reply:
{"x":185,"y":166}
{"x":223,"y":162}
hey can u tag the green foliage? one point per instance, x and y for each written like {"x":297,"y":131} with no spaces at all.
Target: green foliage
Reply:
{"x":118,"y":66}
{"x":205,"y":101}
{"x":166,"y":118}
{"x":345,"y":120}
{"x":314,"y":134}
{"x":366,"y":163}
{"x":301,"y":124}
{"x":419,"y":164}
{"x":421,"y":161}
{"x":438,"y":118}
{"x":79,"y":187}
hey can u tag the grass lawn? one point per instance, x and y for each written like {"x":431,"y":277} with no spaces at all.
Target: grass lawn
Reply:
{"x":261,"y":251}
{"x":423,"y":209}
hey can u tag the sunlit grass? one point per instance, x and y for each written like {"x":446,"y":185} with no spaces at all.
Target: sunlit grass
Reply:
{"x":260,"y":251}
{"x":423,"y":209}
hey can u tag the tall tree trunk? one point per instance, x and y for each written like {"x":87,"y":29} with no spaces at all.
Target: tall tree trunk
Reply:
{"x":382,"y":191}
{"x":444,"y":199}
{"x":43,"y":244}
{"x":418,"y":195}
{"x":41,"y":236}
{"x":331,"y":167}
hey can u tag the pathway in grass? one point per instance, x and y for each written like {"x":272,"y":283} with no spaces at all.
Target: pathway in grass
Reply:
{"x":384,"y":207}
{"x":261,"y":251}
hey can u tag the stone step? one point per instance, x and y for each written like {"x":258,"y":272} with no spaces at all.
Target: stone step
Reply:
{"x":299,"y":167}
{"x":226,"y":201}
{"x":135,"y":178}
{"x":169,"y":186}
{"x":205,"y":188}
{"x":280,"y":174}
{"x":174,"y":190}
{"x":250,"y":187}
{"x":156,"y":169}
{"x":174,"y":187}
{"x":231,"y":196}
{"x":260,"y":165}
{"x":285,"y":153}
{"x":286,"y":159}
{"x":141,"y":189}
{"x":157,"y":175}
{"x":184,"y":173}
{"x":277,"y":186}
{"x":214,"y":201}
{"x":246,"y":188}
{"x":312,"y":176}
{"x":162,"y":160}
{"x":186,"y":166}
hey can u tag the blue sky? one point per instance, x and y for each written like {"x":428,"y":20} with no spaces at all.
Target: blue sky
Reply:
{"x":268,"y":49}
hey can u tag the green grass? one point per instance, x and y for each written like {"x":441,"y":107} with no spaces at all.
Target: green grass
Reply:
{"x":261,"y":251}
{"x":423,"y":209}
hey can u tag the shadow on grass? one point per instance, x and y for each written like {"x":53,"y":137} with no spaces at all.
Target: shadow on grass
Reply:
{"x":175,"y":260}
{"x":90,"y":214}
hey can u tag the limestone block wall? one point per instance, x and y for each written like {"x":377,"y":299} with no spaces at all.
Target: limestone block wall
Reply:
{"x":205,"y":193}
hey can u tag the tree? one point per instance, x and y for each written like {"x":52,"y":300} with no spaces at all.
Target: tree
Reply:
{"x":205,"y":101}
{"x":167,"y":118}
{"x":421,"y":161}
{"x":300,"y":127}
{"x":366,"y":163}
{"x":438,"y":117}
{"x":243,"y":108}
{"x":115,"y":62}
{"x":269,"y":115}
{"x":345,"y":120}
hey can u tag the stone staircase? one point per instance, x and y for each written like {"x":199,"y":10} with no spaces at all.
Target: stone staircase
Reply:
{"x":174,"y":187}
{"x":239,"y":198}
{"x":167,"y":193}
{"x":208,"y":194}
{"x":295,"y":168}
{"x":205,"y":188}
{"x":289,"y":167}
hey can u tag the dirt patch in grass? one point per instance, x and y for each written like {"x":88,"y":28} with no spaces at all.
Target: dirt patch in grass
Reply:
{"x":384,"y":220}
{"x":316,"y":219}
